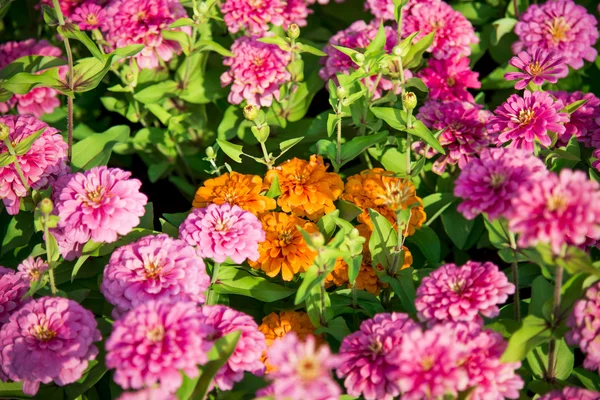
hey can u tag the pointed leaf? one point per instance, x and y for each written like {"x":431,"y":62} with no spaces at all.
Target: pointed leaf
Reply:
{"x":234,"y":151}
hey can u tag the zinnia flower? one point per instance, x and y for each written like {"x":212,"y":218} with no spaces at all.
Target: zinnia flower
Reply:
{"x":221,"y":231}
{"x":32,"y":269}
{"x":584,"y":123}
{"x":365,"y":356}
{"x":538,"y":67}
{"x":154,"y":342}
{"x":41,"y":164}
{"x":302,"y":369}
{"x":284,"y":248}
{"x":452,"y":293}
{"x":252,"y":15}
{"x":154,"y":268}
{"x":248,"y":350}
{"x":13,"y":287}
{"x":561,"y":26}
{"x":48,"y":339}
{"x":89,"y":16}
{"x":489,"y":183}
{"x":236,"y":189}
{"x":256,"y":72}
{"x":571,"y":393}
{"x":560,"y":209}
{"x":449,"y":79}
{"x":307,"y":189}
{"x":155,"y":393}
{"x":295,"y":12}
{"x":585,"y":327}
{"x":522,"y":120}
{"x":384,"y":9}
{"x":68,"y":7}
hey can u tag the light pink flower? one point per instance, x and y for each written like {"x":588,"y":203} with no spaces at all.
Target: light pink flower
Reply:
{"x":156,"y":393}
{"x":537,"y":66}
{"x":449,"y":79}
{"x":254,"y":16}
{"x":584,"y":123}
{"x":13,"y":287}
{"x":571,"y":393}
{"x":295,"y":12}
{"x":89,"y":16}
{"x":32,"y":269}
{"x":67,"y":7}
{"x":585,"y":327}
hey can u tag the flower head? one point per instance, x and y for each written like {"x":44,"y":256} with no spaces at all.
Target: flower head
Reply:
{"x":156,"y":340}
{"x":44,"y":161}
{"x":307,"y":189}
{"x":154,"y":268}
{"x":155,"y":393}
{"x":49,"y":339}
{"x":561,"y":26}
{"x":32,"y":269}
{"x":221,"y":231}
{"x":584,"y":123}
{"x":256,"y":71}
{"x":89,"y":16}
{"x":489,"y":183}
{"x":538,"y":67}
{"x":571,"y":393}
{"x":254,"y":16}
{"x":585,"y":327}
{"x":13,"y":287}
{"x":248,"y":350}
{"x":522,"y":120}
{"x":68,"y":7}
{"x":295,"y":12}
{"x":449,"y":79}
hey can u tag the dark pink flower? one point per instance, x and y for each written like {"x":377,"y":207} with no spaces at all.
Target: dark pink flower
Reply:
{"x":571,"y":393}
{"x":67,"y":7}
{"x":585,"y":327}
{"x":384,"y":9}
{"x":254,"y":16}
{"x":32,"y":269}
{"x":89,"y":16}
{"x":584,"y":123}
{"x":449,"y":79}
{"x":13,"y":287}
{"x":538,"y":67}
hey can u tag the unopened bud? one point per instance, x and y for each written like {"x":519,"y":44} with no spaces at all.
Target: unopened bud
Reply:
{"x":409,"y":101}
{"x":129,"y":77}
{"x":397,"y":51}
{"x":318,"y":240}
{"x":4,"y":131}
{"x":359,"y":58}
{"x":341,"y":92}
{"x":250,"y":112}
{"x":210,"y":152}
{"x":202,"y":7}
{"x":46,"y":206}
{"x":293,"y":31}
{"x":354,"y":233}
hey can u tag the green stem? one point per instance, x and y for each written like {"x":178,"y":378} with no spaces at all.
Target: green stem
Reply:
{"x":12,"y":152}
{"x":515,"y":275}
{"x":266,"y":155}
{"x":338,"y":156}
{"x":49,"y":257}
{"x":211,"y":291}
{"x":408,"y":144}
{"x":555,"y":313}
{"x":323,"y":317}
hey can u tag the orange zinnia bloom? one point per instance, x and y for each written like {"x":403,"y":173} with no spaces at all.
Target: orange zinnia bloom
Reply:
{"x":380,"y":190}
{"x":307,"y":189}
{"x":233,"y":188}
{"x":284,"y":248}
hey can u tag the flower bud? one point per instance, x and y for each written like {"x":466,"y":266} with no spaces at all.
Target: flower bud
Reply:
{"x":397,"y":51}
{"x":318,"y":240}
{"x":341,"y":92}
{"x":46,"y":206}
{"x":409,"y":101}
{"x":202,"y":7}
{"x":293,"y":31}
{"x":129,"y":77}
{"x":359,"y":58}
{"x":250,"y":112}
{"x":210,"y":152}
{"x":354,"y":233}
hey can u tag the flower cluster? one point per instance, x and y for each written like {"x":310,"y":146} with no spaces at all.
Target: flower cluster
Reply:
{"x":32,"y":269}
{"x":570,"y":393}
{"x":538,"y":67}
{"x":449,"y":80}
{"x":254,"y":16}
{"x":584,"y":123}
{"x":585,"y":327}
{"x":13,"y":287}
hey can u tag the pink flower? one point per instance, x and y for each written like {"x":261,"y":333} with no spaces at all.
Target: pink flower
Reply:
{"x":13,"y":287}
{"x":449,"y":79}
{"x":489,"y":184}
{"x":249,"y":349}
{"x":560,"y":210}
{"x":295,"y":12}
{"x":366,"y":361}
{"x":154,"y":268}
{"x":596,"y":163}
{"x":252,"y":15}
{"x":221,"y":231}
{"x":522,"y":120}
{"x":538,"y":67}
{"x":584,"y":123}
{"x":40,"y":100}
{"x":89,"y":16}
{"x":130,"y":22}
{"x":384,"y":9}
{"x":156,"y":340}
{"x":32,"y":269}
{"x":561,"y":26}
{"x":302,"y":370}
{"x":463,"y":132}
{"x":68,"y":7}
{"x":256,"y":72}
{"x":571,"y":393}
{"x":452,"y":293}
{"x":156,"y":393}
{"x":585,"y":327}
{"x":41,"y":164}
{"x":48,"y":339}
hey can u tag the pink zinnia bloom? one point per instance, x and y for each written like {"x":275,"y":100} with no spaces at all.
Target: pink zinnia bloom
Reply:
{"x":452,"y":293}
{"x":489,"y":183}
{"x":561,"y":26}
{"x":154,"y":268}
{"x":384,"y":9}
{"x":48,"y":339}
{"x":585,"y":327}
{"x":560,"y":209}
{"x":155,"y":393}
{"x":571,"y":393}
{"x":221,"y":231}
{"x":522,"y":120}
{"x":249,"y":349}
{"x":584,"y":123}
{"x":256,"y":72}
{"x":32,"y":269}
{"x":40,"y":100}
{"x":295,"y":12}
{"x":302,"y":369}
{"x":43,"y":162}
{"x":463,"y":132}
{"x":366,"y":360}
{"x":13,"y":287}
{"x":89,"y":16}
{"x":130,"y":22}
{"x":538,"y":67}
{"x":449,"y":79}
{"x":67,"y":7}
{"x":254,"y":16}
{"x":155,"y":342}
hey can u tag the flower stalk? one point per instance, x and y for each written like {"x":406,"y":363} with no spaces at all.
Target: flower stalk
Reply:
{"x":12,"y":152}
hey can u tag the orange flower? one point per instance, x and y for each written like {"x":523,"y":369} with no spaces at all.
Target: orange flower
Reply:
{"x":233,"y":188}
{"x":380,"y":190}
{"x":307,"y":189}
{"x":284,"y":248}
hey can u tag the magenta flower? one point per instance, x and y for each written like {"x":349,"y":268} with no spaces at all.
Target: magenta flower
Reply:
{"x":302,"y":370}
{"x":130,"y":22}
{"x":596,"y":163}
{"x":256,"y":72}
{"x":538,"y":67}
{"x":452,"y":293}
{"x":449,"y":79}
{"x":560,"y":26}
{"x":366,"y":361}
{"x":560,"y":210}
{"x":221,"y":231}
{"x":295,"y":12}
{"x":13,"y":287}
{"x":41,"y":164}
{"x":254,"y":16}
{"x":89,"y":16}
{"x":522,"y":120}
{"x":156,"y":340}
{"x":154,"y":268}
{"x":249,"y":349}
{"x":68,"y":7}
{"x":156,"y":393}
{"x":48,"y":339}
{"x":584,"y":123}
{"x":32,"y":269}
{"x":463,"y":132}
{"x":585,"y":327}
{"x":571,"y":393}
{"x":488,"y":184}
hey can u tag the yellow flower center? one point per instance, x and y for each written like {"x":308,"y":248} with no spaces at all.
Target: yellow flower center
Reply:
{"x":156,"y":334}
{"x":308,"y":369}
{"x":95,"y":196}
{"x":525,"y":116}
{"x":255,"y":3}
{"x":91,"y":19}
{"x":285,"y":238}
{"x":450,"y":81}
{"x":535,"y":68}
{"x":396,"y":195}
{"x":376,"y":347}
{"x":152,"y":270}
{"x":558,"y":29}
{"x":222,"y":225}
{"x":427,"y":363}
{"x":496,"y":180}
{"x":557,"y":203}
{"x":141,"y":15}
{"x":457,"y":287}
{"x":43,"y":333}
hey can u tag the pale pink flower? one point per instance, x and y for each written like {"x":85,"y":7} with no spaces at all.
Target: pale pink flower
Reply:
{"x":32,"y":269}
{"x":585,"y":327}
{"x":571,"y":393}
{"x":295,"y":12}
{"x":537,"y":66}
{"x":155,"y":393}
{"x":254,"y":16}
{"x":13,"y":287}
{"x":449,"y":79}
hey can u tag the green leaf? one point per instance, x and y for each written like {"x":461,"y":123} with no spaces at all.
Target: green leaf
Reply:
{"x":6,"y":158}
{"x":533,"y":332}
{"x":576,"y":260}
{"x":417,"y":83}
{"x":311,"y":279}
{"x":477,"y":13}
{"x":332,"y":121}
{"x":392,"y":116}
{"x":234,"y":151}
{"x":274,"y":189}
{"x":18,"y":232}
{"x":457,"y":227}
{"x":564,"y":359}
{"x":52,"y":249}
{"x":156,"y":93}
{"x":357,"y":145}
{"x":336,"y":327}
{"x":314,"y":302}
{"x":30,"y":64}
{"x":89,"y":379}
{"x":383,"y":240}
{"x":182,"y":22}
{"x":404,"y":287}
{"x":305,"y":48}
{"x":184,"y":40}
{"x":415,"y":53}
{"x":23,"y":146}
{"x":78,"y":264}
{"x":574,"y":106}
{"x":541,"y":298}
{"x":500,"y":28}
{"x":288,"y":144}
{"x":24,"y":82}
{"x":277,"y":41}
{"x":210,"y":45}
{"x":72,"y":31}
{"x":496,"y":80}
{"x":348,"y":210}
{"x":95,"y":150}
{"x":428,"y":243}
{"x":233,"y":280}
{"x":589,"y":379}
{"x":376,"y":45}
{"x":436,"y":203}
{"x":176,"y":219}
{"x":419,"y":130}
